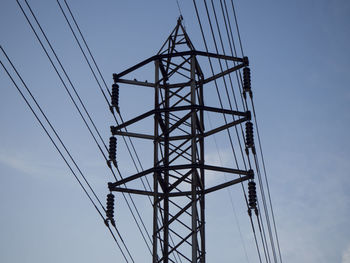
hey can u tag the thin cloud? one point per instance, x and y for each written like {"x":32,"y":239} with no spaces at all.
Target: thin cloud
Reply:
{"x":346,"y":255}
{"x":19,"y":163}
{"x":24,"y":163}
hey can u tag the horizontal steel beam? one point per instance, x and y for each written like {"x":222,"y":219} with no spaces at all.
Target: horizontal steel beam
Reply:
{"x":219,"y":75}
{"x":132,"y":191}
{"x":214,"y":188}
{"x":132,"y":134}
{"x":180,"y":108}
{"x":227,"y":184}
{"x":161,"y":169}
{"x":137,"y":83}
{"x":250,"y":175}
{"x":136,"y":119}
{"x":177,"y":54}
{"x":226,"y":126}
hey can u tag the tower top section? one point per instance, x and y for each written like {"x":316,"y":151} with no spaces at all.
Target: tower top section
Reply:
{"x":177,"y":41}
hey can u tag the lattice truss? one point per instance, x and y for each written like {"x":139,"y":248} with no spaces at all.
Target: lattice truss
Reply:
{"x":179,"y":167}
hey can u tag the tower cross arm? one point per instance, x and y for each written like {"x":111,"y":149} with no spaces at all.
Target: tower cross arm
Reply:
{"x":244,"y":61}
{"x":219,"y":75}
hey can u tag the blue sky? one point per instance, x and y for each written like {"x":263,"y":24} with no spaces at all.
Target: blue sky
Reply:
{"x":300,"y":65}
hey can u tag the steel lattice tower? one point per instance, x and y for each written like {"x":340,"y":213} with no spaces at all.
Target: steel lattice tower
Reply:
{"x":179,"y":166}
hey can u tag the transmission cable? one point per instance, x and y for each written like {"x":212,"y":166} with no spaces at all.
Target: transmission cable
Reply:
{"x":65,"y":73}
{"x":55,"y":145}
{"x":233,"y":50}
{"x":81,"y":103}
{"x":231,"y":84}
{"x":63,"y":81}
{"x":211,"y":66}
{"x":237,"y":28}
{"x":221,"y":41}
{"x":256,"y":124}
{"x":228,"y":97}
{"x":217,"y":51}
{"x":267,"y":184}
{"x":100,"y":74}
{"x":217,"y":89}
{"x":132,"y":145}
{"x":231,"y":200}
{"x":265,"y":208}
{"x":90,"y":63}
{"x":105,"y":84}
{"x":56,"y":70}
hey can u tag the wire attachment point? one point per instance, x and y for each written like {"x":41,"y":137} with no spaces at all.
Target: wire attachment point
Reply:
{"x":110,"y":209}
{"x":112,"y":151}
{"x":247,"y":83}
{"x":249,"y":136}
{"x":115,"y":97}
{"x":252,"y":195}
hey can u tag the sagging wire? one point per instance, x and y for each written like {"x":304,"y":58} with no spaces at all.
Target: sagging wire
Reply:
{"x":55,"y":144}
{"x":114,"y":98}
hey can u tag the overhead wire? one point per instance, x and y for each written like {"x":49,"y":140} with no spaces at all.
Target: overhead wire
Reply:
{"x":57,"y":72}
{"x":65,"y":86}
{"x":178,"y":6}
{"x":104,"y":82}
{"x":272,"y":244}
{"x":133,"y":203}
{"x":260,"y":222}
{"x":101,"y":76}
{"x":256,"y":124}
{"x":267,"y":184}
{"x":237,"y":28}
{"x":55,"y":144}
{"x":216,"y":86}
{"x":239,"y":81}
{"x":265,"y":209}
{"x":65,"y":74}
{"x":231,"y":143}
{"x":227,"y":93}
{"x":75,"y":22}
{"x":248,"y":157}
{"x":230,"y":80}
{"x":231,"y":29}
{"x":232,"y":204}
{"x":262,"y":232}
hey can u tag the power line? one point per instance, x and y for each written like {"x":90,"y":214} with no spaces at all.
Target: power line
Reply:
{"x":231,"y":200}
{"x":231,"y":84}
{"x":255,"y":157}
{"x":267,"y":184}
{"x":228,"y":95}
{"x":212,"y":70}
{"x":56,"y":70}
{"x":240,"y":42}
{"x":54,"y":143}
{"x":69,"y":24}
{"x":271,"y":238}
{"x":257,"y":129}
{"x":101,"y":76}
{"x":104,"y":82}
{"x":236,"y":22}
{"x":178,"y":6}
{"x":53,"y":129}
{"x":263,"y":237}
{"x":64,"y":82}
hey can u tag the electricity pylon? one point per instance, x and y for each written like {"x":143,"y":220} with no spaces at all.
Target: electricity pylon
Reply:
{"x":179,"y":167}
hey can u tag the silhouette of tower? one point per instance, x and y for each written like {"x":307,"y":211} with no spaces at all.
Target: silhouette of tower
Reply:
{"x":179,"y":167}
